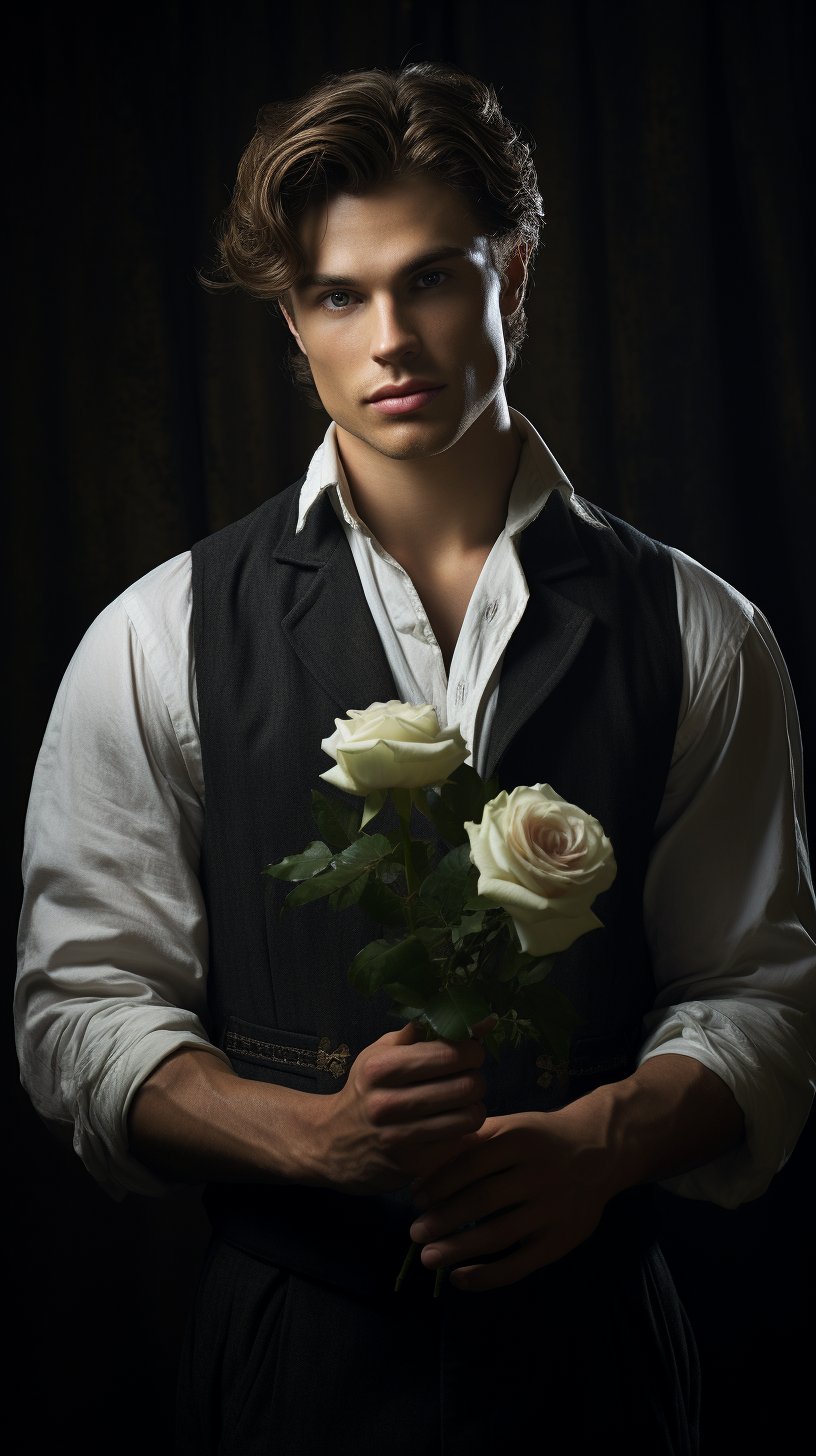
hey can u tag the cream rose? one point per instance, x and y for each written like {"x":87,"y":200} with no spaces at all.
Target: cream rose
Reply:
{"x":544,"y":861}
{"x":392,"y":746}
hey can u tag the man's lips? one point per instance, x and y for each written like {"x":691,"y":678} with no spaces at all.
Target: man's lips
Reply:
{"x":412,"y":398}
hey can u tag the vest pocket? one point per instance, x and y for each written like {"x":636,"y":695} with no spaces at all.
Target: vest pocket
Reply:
{"x":267,"y":1054}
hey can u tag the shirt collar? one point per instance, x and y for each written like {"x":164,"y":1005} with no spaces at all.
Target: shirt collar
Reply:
{"x":537,"y":476}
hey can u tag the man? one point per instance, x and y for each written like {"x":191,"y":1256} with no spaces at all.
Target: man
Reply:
{"x":433,"y":552}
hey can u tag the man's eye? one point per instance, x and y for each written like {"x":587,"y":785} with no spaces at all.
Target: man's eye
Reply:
{"x":430,"y":280}
{"x":337,"y":300}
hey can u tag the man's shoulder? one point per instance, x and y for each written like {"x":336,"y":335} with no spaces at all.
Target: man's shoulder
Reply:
{"x":700,"y":589}
{"x":594,"y":522}
{"x":714,"y":620}
{"x":702,"y":596}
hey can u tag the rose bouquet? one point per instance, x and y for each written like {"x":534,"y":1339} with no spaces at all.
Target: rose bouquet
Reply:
{"x":475,"y":934}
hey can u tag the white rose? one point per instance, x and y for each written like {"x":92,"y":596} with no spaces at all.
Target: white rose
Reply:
{"x":392,"y":746}
{"x":544,"y":861}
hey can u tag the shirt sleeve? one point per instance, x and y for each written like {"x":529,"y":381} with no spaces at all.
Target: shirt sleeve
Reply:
{"x":113,"y":943}
{"x":728,"y":901}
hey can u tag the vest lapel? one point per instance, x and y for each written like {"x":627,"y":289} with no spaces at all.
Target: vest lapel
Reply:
{"x":552,"y":631}
{"x":331,"y":629}
{"x":330,"y":626}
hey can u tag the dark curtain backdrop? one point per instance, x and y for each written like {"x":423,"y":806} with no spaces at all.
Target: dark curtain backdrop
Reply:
{"x":668,"y":366}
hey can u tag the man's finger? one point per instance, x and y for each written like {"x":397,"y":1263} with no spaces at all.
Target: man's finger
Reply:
{"x":534,"y":1254}
{"x":428,"y":1099}
{"x":487,"y":1154}
{"x":478,"y":1200}
{"x":404,"y":1035}
{"x":422,"y":1061}
{"x":442,"y":1127}
{"x":488,"y":1238}
{"x":482,"y":1027}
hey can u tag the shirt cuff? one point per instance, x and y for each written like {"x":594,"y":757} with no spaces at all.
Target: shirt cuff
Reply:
{"x":762,"y":1052}
{"x":102,"y":1103}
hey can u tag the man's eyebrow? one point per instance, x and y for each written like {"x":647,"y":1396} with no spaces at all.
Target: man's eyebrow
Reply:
{"x":332,"y":280}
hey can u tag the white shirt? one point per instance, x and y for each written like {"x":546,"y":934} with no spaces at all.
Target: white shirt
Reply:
{"x":113,"y":948}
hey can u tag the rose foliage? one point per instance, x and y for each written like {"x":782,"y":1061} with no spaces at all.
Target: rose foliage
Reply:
{"x":474,"y":932}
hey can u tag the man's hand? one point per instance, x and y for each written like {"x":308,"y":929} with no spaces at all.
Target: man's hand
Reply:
{"x":548,"y":1175}
{"x":407,"y":1107}
{"x":545,"y":1177}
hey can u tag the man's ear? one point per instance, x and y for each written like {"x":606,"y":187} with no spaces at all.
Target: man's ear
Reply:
{"x":290,"y":322}
{"x":514,"y":281}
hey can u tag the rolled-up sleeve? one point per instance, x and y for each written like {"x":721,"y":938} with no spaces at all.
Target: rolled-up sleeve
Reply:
{"x":729,"y":903}
{"x":112,"y":952}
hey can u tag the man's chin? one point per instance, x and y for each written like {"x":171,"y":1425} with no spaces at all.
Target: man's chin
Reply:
{"x":404,"y":440}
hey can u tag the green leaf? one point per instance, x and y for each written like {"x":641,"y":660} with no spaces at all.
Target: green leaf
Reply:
{"x":382,"y":905}
{"x":420,"y":858}
{"x":406,"y":1013}
{"x":530,"y":975}
{"x":417,"y":984}
{"x":315,"y":857}
{"x":426,"y":913}
{"x":402,"y":802}
{"x":373,"y":804}
{"x":349,"y":894}
{"x":379,"y":963}
{"x":420,"y":799}
{"x":321,"y":886}
{"x":466,"y":794}
{"x":430,"y":935}
{"x":479,"y":902}
{"x":391,"y":871}
{"x":338,"y":822}
{"x":445,"y":819}
{"x":492,"y":1045}
{"x":365,"y":850}
{"x":446,"y":889}
{"x":350,"y":865}
{"x":455,"y":1010}
{"x":469,"y":925}
{"x":513,"y":962}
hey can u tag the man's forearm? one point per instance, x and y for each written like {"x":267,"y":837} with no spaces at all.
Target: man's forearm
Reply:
{"x":195,"y":1120}
{"x":672,"y":1115}
{"x":406,"y":1106}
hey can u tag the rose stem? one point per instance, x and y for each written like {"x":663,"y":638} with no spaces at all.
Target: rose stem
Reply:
{"x":410,"y":877}
{"x":406,"y":1266}
{"x":440,"y":1275}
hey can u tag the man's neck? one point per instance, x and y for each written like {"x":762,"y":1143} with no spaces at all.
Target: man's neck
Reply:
{"x":439,"y":516}
{"x":439,"y":507}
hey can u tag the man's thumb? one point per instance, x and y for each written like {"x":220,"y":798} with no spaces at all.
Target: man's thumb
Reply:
{"x":408,"y":1033}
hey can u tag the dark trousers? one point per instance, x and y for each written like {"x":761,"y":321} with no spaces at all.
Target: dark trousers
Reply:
{"x":593,"y":1353}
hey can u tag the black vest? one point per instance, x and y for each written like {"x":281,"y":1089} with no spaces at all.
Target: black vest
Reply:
{"x":588,"y":702}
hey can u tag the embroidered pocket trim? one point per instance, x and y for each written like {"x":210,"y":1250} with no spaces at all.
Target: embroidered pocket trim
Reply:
{"x":562,"y":1071}
{"x":283,"y":1054}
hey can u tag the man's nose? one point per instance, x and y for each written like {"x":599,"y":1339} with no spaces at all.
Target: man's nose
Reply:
{"x":393,"y":335}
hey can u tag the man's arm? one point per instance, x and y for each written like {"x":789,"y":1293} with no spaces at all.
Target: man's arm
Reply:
{"x":729,"y":909}
{"x":728,"y":901}
{"x":672,"y":1115}
{"x":112,"y":957}
{"x":554,"y":1172}
{"x":405,"y":1109}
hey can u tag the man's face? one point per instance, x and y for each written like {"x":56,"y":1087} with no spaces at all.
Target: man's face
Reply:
{"x":401,"y":293}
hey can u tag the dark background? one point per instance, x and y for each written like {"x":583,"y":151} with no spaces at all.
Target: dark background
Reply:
{"x":668,"y":367}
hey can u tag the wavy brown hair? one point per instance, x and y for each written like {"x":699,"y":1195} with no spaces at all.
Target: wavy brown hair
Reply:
{"x":354,"y":132}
